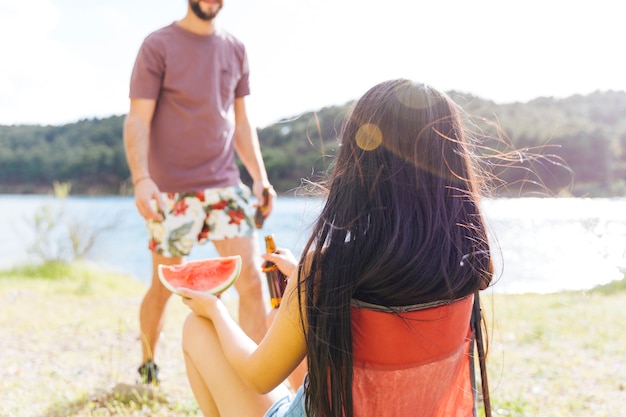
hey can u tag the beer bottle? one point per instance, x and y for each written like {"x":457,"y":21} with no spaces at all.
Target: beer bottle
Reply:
{"x":259,"y":217}
{"x":276,"y":280}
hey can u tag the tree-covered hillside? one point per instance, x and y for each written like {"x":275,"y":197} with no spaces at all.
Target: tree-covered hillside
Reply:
{"x":572,"y":146}
{"x":587,"y":133}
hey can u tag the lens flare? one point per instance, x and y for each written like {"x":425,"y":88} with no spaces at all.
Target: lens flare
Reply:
{"x":369,"y":137}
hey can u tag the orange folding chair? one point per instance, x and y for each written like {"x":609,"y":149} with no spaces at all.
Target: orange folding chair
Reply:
{"x":416,"y":360}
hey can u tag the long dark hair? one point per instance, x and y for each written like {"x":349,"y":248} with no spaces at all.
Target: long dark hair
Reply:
{"x":401,"y":225}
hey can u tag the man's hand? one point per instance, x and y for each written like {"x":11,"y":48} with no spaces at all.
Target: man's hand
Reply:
{"x":266,"y":203}
{"x":146,"y":191}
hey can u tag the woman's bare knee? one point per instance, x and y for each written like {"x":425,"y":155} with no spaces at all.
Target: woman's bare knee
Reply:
{"x":196,"y":329}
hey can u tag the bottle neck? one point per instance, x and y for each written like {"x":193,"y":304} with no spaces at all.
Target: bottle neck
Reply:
{"x":270,"y":246}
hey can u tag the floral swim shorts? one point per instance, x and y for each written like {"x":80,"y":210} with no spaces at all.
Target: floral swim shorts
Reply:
{"x":211,"y":214}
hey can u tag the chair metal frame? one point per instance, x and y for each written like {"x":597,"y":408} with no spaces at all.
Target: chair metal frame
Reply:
{"x":478,"y":341}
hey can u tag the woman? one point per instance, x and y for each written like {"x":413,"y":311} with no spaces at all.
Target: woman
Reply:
{"x":380,"y":302}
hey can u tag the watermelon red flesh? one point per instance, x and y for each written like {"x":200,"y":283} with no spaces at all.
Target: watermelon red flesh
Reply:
{"x":212,"y":275}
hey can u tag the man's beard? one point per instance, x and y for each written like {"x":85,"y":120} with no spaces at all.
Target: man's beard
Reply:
{"x":195,"y":6}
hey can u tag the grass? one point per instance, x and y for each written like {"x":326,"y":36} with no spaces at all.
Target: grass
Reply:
{"x":558,"y":354}
{"x":69,"y":343}
{"x":70,"y":346}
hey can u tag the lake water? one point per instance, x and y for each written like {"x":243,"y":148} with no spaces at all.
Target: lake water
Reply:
{"x":540,"y":245}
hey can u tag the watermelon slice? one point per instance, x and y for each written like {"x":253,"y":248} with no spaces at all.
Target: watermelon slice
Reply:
{"x":213,"y":275}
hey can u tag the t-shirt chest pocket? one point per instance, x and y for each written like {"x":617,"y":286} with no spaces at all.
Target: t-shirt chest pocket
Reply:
{"x":228,"y":78}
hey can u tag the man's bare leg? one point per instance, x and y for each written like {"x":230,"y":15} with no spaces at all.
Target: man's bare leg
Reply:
{"x":252,"y":311}
{"x":152,"y":310}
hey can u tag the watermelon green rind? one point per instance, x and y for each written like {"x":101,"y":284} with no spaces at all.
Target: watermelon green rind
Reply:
{"x":213,"y":275}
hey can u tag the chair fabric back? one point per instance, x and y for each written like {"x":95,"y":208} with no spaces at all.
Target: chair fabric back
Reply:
{"x":413,"y":361}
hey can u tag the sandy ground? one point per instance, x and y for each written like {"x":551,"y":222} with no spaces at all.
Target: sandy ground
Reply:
{"x":62,"y":349}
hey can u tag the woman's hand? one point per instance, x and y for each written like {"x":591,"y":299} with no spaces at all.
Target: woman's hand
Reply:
{"x":284,"y":260}
{"x":202,"y":304}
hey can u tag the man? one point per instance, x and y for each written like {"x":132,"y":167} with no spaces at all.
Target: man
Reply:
{"x":187,"y":119}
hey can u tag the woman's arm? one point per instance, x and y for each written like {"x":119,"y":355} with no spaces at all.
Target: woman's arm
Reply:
{"x":267,"y":365}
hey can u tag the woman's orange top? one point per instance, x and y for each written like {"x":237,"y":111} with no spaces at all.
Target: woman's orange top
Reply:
{"x":412,"y":361}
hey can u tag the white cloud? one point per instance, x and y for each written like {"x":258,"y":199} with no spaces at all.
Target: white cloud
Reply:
{"x":44,"y":82}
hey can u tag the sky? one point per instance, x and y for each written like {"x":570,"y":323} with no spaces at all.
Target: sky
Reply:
{"x":66,"y":60}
